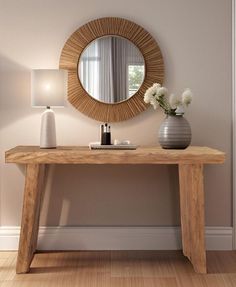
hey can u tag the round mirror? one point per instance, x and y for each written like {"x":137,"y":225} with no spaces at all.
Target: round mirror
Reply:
{"x":111,"y":69}
{"x":108,"y":85}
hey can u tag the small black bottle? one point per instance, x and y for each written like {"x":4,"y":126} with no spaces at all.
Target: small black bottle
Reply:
{"x":105,"y":134}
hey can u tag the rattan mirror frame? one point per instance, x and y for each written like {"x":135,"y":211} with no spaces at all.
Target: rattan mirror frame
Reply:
{"x":78,"y":41}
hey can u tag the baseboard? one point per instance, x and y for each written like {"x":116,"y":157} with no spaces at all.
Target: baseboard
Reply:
{"x":114,"y":238}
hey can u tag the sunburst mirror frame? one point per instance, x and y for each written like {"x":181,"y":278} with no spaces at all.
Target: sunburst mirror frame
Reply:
{"x":81,"y":38}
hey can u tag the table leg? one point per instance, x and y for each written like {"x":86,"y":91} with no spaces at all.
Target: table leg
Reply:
{"x":30,"y":216}
{"x":193,"y":214}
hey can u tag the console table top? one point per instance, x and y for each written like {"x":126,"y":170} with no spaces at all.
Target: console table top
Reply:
{"x":142,"y":155}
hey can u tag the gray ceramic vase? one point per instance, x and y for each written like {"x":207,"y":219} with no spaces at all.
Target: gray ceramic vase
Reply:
{"x":175,"y":132}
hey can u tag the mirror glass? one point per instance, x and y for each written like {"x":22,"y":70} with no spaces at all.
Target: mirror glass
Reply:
{"x":111,"y":69}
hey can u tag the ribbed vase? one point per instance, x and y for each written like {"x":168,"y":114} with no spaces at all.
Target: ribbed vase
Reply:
{"x":175,"y":132}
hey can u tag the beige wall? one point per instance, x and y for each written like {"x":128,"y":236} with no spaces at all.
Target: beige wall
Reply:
{"x":195,"y":38}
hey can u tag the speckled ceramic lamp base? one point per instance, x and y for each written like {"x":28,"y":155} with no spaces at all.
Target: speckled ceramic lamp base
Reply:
{"x":175,"y":133}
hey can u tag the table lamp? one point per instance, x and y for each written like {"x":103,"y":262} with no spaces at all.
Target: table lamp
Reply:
{"x":48,"y":89}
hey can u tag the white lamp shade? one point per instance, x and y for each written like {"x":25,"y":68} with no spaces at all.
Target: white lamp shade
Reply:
{"x":48,"y":88}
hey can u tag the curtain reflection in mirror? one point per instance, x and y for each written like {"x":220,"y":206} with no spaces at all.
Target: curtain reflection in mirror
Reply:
{"x":111,"y":69}
{"x":89,"y":69}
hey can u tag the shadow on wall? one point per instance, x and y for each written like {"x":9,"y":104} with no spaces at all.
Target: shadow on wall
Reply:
{"x":14,"y":91}
{"x":105,"y":195}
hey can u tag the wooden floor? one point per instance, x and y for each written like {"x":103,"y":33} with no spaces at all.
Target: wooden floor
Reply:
{"x":119,"y":268}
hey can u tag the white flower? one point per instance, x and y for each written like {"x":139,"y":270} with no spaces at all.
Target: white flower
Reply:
{"x":162,"y":91}
{"x":149,"y":95}
{"x":187,"y":97}
{"x":174,"y":101}
{"x":153,"y":102}
{"x":156,"y":85}
{"x":147,"y":98}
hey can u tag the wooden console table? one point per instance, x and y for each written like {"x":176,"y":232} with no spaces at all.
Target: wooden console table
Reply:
{"x":190,"y":162}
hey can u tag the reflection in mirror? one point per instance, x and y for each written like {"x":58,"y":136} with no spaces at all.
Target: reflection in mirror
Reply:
{"x":111,"y":69}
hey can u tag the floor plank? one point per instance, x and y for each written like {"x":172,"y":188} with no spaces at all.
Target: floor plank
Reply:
{"x":119,"y":268}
